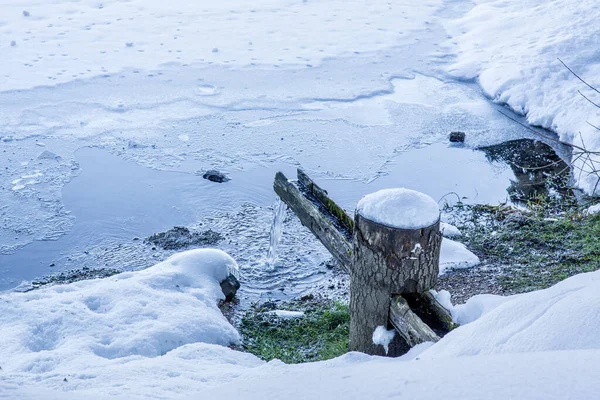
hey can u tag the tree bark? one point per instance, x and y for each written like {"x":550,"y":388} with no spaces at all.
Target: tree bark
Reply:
{"x":387,"y":261}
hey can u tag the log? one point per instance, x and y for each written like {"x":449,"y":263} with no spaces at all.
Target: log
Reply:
{"x":431,"y":312}
{"x":315,"y":219}
{"x":408,"y":325}
{"x":387,"y":261}
{"x":343,"y":220}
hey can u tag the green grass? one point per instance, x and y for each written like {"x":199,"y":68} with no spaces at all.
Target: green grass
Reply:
{"x":320,"y":335}
{"x":537,"y":249}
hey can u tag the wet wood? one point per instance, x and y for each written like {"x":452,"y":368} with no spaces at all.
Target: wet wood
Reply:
{"x":408,"y":325}
{"x":315,"y":219}
{"x":344,"y":221}
{"x":431,"y":312}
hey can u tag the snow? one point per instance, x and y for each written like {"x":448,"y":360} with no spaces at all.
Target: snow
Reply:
{"x":138,"y":335}
{"x":399,"y":208}
{"x":449,"y":230}
{"x":383,"y":337}
{"x":512,"y":48}
{"x":94,"y":331}
{"x":563,"y":317}
{"x":456,"y":255}
{"x":592,"y":210}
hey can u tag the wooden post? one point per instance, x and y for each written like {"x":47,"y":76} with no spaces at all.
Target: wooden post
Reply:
{"x":387,"y":261}
{"x":391,"y":269}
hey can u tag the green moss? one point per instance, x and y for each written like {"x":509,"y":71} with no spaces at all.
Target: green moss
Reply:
{"x":340,"y":214}
{"x":536,"y":249}
{"x":320,"y":335}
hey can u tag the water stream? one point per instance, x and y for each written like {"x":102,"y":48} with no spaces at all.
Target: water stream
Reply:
{"x":276,"y":232}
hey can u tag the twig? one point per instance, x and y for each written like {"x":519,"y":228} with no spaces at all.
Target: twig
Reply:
{"x":585,"y":97}
{"x":578,"y":77}
{"x":547,"y":136}
{"x":592,"y":125}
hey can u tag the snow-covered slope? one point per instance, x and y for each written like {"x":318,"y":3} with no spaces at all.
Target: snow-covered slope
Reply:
{"x":155,"y":334}
{"x":512,"y":47}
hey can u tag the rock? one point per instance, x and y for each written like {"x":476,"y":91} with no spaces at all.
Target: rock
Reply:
{"x":180,"y":237}
{"x":457,"y":137}
{"x":230,"y":287}
{"x":215,"y":176}
{"x":516,"y":220}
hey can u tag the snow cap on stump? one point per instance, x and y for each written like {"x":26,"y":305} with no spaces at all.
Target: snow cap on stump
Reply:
{"x":399,"y":208}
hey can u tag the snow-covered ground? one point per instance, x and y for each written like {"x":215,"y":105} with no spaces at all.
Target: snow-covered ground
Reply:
{"x":157,"y":333}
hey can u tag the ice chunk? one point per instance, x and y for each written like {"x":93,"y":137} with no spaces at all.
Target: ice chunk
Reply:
{"x":285,"y":314}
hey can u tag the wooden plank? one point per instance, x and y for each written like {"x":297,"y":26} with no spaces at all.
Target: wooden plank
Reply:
{"x":431,"y":312}
{"x":408,"y":325}
{"x":314,"y":219}
{"x":343,"y":220}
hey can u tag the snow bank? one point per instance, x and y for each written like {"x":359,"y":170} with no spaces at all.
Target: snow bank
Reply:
{"x":563,"y":317}
{"x":512,"y":46}
{"x":456,"y":255}
{"x":539,"y":345}
{"x":92,"y":332}
{"x":531,"y":376}
{"x":399,"y":208}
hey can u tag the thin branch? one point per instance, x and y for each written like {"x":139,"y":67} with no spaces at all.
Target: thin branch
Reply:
{"x":592,"y":125}
{"x":547,"y":137}
{"x":585,"y":97}
{"x":546,"y":166}
{"x":578,"y":77}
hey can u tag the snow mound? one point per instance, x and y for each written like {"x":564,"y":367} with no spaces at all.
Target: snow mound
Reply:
{"x":112,"y":322}
{"x":399,"y":208}
{"x":512,"y":46}
{"x":449,"y":230}
{"x":456,"y":255}
{"x":531,"y":376}
{"x":563,"y":317}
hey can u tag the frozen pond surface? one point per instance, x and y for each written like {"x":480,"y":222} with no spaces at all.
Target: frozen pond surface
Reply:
{"x":115,"y":203}
{"x":92,"y":163}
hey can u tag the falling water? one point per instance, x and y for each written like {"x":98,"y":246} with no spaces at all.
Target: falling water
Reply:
{"x":276,"y":231}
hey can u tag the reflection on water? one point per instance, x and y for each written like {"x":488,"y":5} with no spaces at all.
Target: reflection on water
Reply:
{"x":538,"y":170}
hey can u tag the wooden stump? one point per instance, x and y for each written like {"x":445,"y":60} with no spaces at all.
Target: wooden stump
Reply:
{"x":387,"y":261}
{"x":391,"y":269}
